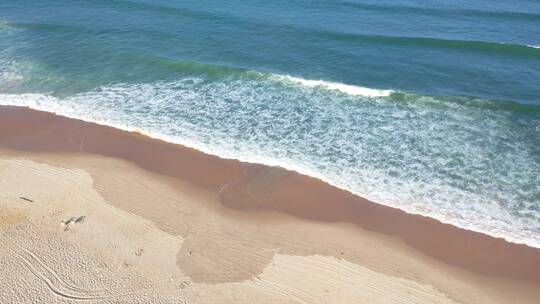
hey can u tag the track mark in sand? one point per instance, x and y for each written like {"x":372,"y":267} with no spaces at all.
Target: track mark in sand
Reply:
{"x":281,"y":290}
{"x":257,"y":185}
{"x":232,"y":182}
{"x":61,"y":288}
{"x":316,"y":279}
{"x":26,"y":199}
{"x":69,"y":138}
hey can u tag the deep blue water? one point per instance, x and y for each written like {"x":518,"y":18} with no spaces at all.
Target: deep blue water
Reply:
{"x":433,"y":108}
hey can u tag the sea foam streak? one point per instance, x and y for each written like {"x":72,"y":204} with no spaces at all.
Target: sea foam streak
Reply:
{"x":344,"y":88}
{"x":425,"y":155}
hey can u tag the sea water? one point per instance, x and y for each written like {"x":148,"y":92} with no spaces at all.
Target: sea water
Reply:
{"x":433,"y":108}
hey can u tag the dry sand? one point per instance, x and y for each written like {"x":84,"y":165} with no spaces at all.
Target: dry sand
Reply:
{"x":90,"y":213}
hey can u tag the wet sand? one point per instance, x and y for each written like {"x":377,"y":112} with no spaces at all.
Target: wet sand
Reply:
{"x":234,"y":230}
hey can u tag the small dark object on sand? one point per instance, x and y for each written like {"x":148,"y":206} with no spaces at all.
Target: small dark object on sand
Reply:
{"x":66,"y":223}
{"x":26,"y":199}
{"x":73,"y":219}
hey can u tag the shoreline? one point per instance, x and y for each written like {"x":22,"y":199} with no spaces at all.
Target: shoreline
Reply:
{"x":207,"y":151}
{"x":253,"y":189}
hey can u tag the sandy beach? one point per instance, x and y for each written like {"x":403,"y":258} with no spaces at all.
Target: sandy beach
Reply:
{"x":92,"y":213}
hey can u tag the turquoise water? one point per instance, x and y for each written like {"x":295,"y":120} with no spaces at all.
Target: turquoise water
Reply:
{"x":430,"y":108}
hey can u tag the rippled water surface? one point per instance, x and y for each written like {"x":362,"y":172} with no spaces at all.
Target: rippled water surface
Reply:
{"x":431,"y":108}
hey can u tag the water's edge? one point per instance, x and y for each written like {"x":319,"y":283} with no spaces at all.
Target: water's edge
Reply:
{"x":290,"y":167}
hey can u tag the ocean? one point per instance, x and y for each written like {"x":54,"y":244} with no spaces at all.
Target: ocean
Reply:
{"x":433,"y":108}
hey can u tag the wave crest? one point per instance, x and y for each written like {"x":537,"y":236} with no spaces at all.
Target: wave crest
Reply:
{"x":344,"y":88}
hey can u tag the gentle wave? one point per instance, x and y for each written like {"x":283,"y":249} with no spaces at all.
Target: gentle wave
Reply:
{"x":465,"y":45}
{"x":410,"y":152}
{"x":442,"y":12}
{"x":167,"y":10}
{"x":344,"y":88}
{"x":478,"y":46}
{"x":407,"y":10}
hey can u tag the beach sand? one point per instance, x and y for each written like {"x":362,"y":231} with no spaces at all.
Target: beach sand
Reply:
{"x":91,"y":213}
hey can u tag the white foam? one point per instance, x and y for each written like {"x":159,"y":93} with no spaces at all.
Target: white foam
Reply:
{"x":364,"y":148}
{"x":534,"y":46}
{"x":12,"y":71}
{"x":344,"y":88}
